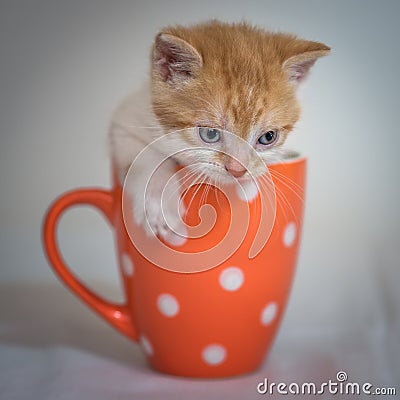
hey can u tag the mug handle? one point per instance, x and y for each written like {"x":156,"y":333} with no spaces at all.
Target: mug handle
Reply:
{"x":116,"y":314}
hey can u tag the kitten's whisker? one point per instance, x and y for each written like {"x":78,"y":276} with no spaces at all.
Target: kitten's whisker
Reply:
{"x":265,"y":183}
{"x":195,"y":192}
{"x":283,"y":204}
{"x":181,"y":183}
{"x":178,"y":188}
{"x":282,"y":200}
{"x":286,"y":178}
{"x":181,"y":198}
{"x":190,"y":174}
{"x":206,"y":190}
{"x":289,"y":204}
{"x":202,"y":179}
{"x":205,"y":193}
{"x":217,"y":192}
{"x":288,"y":185}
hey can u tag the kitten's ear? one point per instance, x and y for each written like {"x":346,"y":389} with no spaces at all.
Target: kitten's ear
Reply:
{"x":174,"y":59}
{"x":301,"y":56}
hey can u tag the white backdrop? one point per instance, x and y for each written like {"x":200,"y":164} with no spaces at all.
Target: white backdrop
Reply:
{"x":64,"y":68}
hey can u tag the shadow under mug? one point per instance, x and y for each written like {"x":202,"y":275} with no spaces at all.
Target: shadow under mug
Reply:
{"x":214,"y":323}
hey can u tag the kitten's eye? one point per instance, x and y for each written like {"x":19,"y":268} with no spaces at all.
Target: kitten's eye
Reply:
{"x":268,"y":138}
{"x":209,"y":135}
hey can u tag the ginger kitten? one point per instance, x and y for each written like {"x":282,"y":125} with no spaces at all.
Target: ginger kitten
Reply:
{"x":208,"y":80}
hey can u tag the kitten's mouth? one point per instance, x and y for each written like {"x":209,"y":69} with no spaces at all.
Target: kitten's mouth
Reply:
{"x":244,"y":178}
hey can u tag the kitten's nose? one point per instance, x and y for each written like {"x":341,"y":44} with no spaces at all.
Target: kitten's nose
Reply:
{"x":235,"y":168}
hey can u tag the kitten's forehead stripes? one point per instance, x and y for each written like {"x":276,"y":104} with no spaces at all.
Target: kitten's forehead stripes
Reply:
{"x":239,"y":75}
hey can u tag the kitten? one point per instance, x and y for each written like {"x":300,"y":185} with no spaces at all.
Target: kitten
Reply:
{"x":207,"y":79}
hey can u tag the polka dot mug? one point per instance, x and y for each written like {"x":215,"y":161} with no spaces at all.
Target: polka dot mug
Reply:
{"x":219,"y":318}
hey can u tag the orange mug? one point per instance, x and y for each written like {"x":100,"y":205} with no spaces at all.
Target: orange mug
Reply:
{"x":215,"y":321}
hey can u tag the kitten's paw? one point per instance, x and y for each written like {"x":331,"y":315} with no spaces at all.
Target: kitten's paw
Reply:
{"x":165,"y":219}
{"x":160,"y":211}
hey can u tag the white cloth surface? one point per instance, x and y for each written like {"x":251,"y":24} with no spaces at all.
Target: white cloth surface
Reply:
{"x":52,"y":347}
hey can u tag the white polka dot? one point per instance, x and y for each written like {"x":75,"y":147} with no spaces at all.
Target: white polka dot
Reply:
{"x":247,"y":191}
{"x":127,"y":265}
{"x":214,"y":354}
{"x":231,"y":278}
{"x":146,"y":345}
{"x":168,"y":305}
{"x":268,"y":313}
{"x":289,"y":236}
